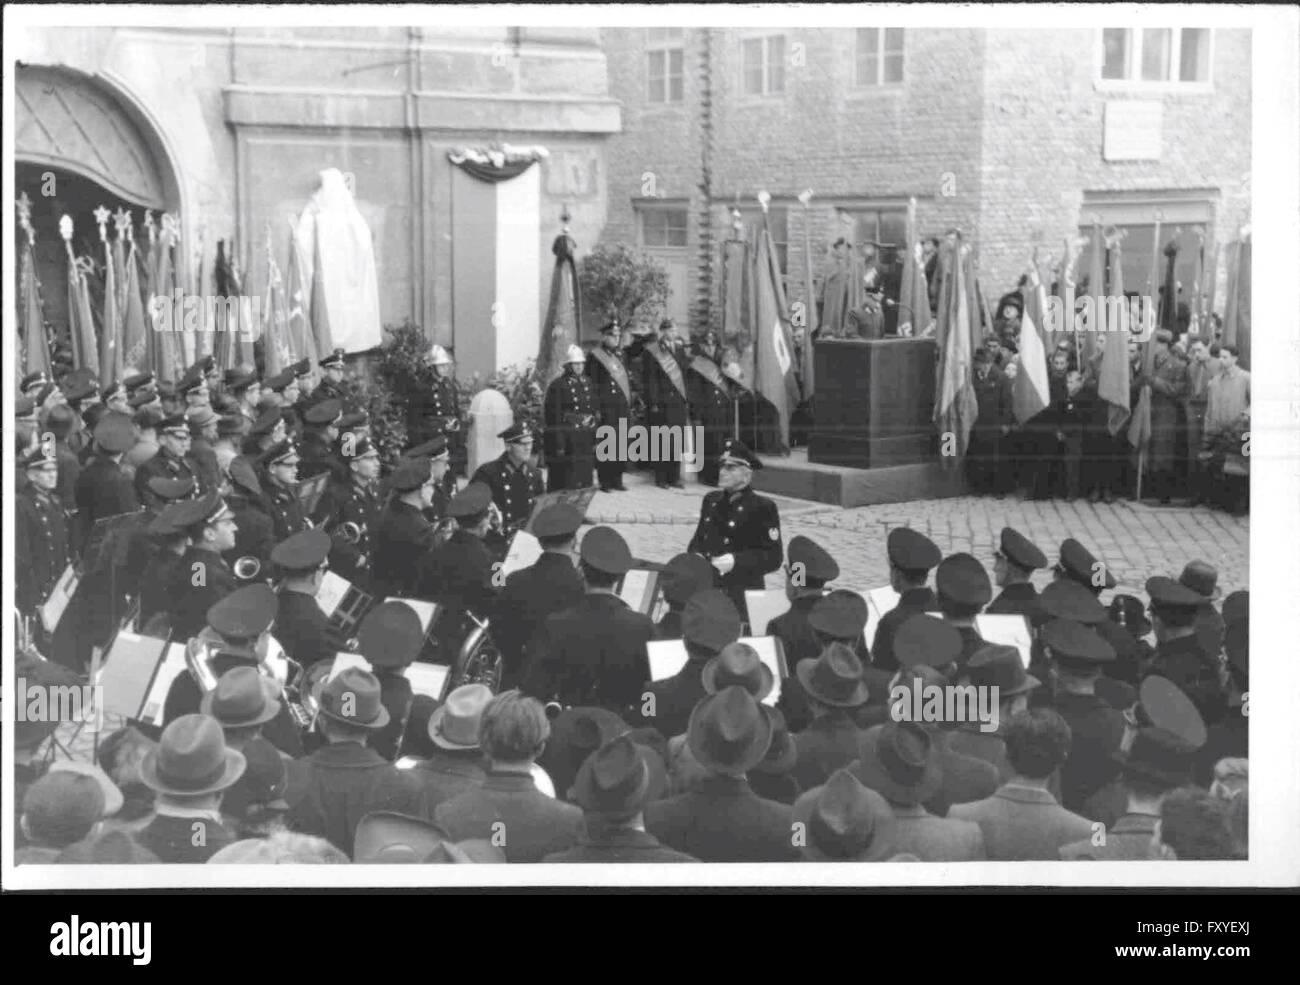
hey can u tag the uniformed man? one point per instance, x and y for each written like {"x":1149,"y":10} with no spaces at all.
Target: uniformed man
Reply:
{"x":103,"y":489}
{"x":987,"y":467}
{"x":321,"y":422}
{"x":194,"y":391}
{"x":161,"y":578}
{"x":269,"y":430}
{"x":205,"y":577}
{"x":33,"y":383}
{"x":444,"y":483}
{"x":246,"y":391}
{"x":1015,"y":560}
{"x":515,"y":484}
{"x":609,"y":376}
{"x":43,"y":548}
{"x":1078,"y":564}
{"x":739,"y":531}
{"x":435,"y":411}
{"x":142,"y":545}
{"x":809,"y":568}
{"x":173,"y":460}
{"x":352,"y":502}
{"x":911,"y":556}
{"x":256,"y":534}
{"x":550,"y":585}
{"x":664,"y":387}
{"x":116,"y":398}
{"x":1180,"y":655}
{"x":230,"y":434}
{"x":594,"y":653}
{"x":569,"y":413}
{"x":334,"y":369}
{"x":60,"y":421}
{"x":459,"y":573}
{"x":146,"y":421}
{"x":141,"y":383}
{"x":1169,"y":387}
{"x":203,"y":434}
{"x":79,"y":395}
{"x":684,"y":576}
{"x":962,"y":588}
{"x":1076,"y":655}
{"x":402,"y":535}
{"x":712,"y":408}
{"x":301,"y":627}
{"x":278,"y":478}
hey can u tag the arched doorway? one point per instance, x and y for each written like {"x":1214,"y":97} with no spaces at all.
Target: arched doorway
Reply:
{"x":79,"y":146}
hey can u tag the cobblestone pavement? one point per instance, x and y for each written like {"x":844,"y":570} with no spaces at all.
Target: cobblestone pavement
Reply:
{"x":1137,"y":541}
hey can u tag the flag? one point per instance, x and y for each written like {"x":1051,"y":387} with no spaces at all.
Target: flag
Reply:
{"x":774,"y":365}
{"x":81,"y":323}
{"x":167,"y":331}
{"x":1113,"y":375}
{"x":563,"y":312}
{"x":955,"y":405}
{"x":301,"y":342}
{"x":239,"y":350}
{"x":810,"y":310}
{"x":35,"y":342}
{"x":914,"y":317}
{"x":110,"y":353}
{"x":135,"y":332}
{"x":275,"y":318}
{"x":1097,"y":291}
{"x":319,"y":311}
{"x":1029,"y":390}
{"x":1139,"y":427}
{"x":1237,"y":330}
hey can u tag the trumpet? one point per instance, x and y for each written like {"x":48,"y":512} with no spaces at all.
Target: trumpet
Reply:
{"x":351,"y":532}
{"x":247,"y":568}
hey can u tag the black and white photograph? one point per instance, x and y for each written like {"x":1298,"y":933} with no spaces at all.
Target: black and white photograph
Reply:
{"x":734,"y":446}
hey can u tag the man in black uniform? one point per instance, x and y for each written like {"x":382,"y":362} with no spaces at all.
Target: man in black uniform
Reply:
{"x":1180,"y":655}
{"x":444,"y":483}
{"x":569,"y":414}
{"x":402,"y":535}
{"x":301,"y":627}
{"x":911,"y":556}
{"x":333,"y":370}
{"x":808,"y":569}
{"x":594,"y":654}
{"x":550,"y":585}
{"x":987,"y":467}
{"x":665,"y":395}
{"x":712,"y":407}
{"x":42,"y":546}
{"x":1013,"y":563}
{"x":278,"y":479}
{"x":172,"y":461}
{"x":352,"y":501}
{"x":317,"y":449}
{"x":739,"y":531}
{"x":204,"y":577}
{"x":1078,"y":564}
{"x":256,"y":534}
{"x":515,"y":484}
{"x":459,"y":573}
{"x":963,"y":588}
{"x":103,"y":488}
{"x":160,"y":582}
{"x":435,"y":411}
{"x":609,"y":376}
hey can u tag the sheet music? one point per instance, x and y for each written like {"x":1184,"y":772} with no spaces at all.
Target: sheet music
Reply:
{"x":879,"y":601}
{"x":126,"y":673}
{"x":344,"y":660}
{"x":1008,"y":630}
{"x":667,"y":657}
{"x":428,"y":679}
{"x":640,"y":589}
{"x":764,"y":605}
{"x":54,"y":607}
{"x":173,"y":665}
{"x":523,"y":552}
{"x":333,"y":589}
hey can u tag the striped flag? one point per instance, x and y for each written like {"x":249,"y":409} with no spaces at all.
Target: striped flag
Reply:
{"x":301,"y":342}
{"x":1029,"y":391}
{"x":81,"y":323}
{"x":563,"y":312}
{"x":167,"y":349}
{"x":319,"y":311}
{"x":955,"y":406}
{"x":810,"y":309}
{"x":914,"y":317}
{"x":110,"y":353}
{"x":135,"y":331}
{"x":275,"y":318}
{"x":35,"y":343}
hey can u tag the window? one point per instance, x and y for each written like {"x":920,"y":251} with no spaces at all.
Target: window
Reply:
{"x":665,"y":53}
{"x":1155,"y":55}
{"x":764,"y":65}
{"x":879,"y":56}
{"x":663,"y":227}
{"x":778,"y":225}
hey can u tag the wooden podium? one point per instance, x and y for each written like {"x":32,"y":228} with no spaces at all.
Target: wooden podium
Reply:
{"x":874,"y":403}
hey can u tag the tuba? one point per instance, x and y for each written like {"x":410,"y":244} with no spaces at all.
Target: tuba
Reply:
{"x":351,"y":532}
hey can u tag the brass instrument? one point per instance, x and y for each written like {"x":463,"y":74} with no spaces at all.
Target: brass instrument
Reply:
{"x":478,"y":660}
{"x":273,"y":662}
{"x":247,"y":568}
{"x":351,"y":532}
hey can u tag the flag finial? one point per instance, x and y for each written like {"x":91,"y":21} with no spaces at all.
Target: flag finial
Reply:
{"x":122,"y":223}
{"x":65,"y":228}
{"x":764,"y":199}
{"x":101,"y":215}
{"x":805,"y":197}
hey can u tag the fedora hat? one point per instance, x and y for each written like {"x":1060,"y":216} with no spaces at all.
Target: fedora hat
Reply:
{"x":782,"y":754}
{"x":1201,"y":578}
{"x":112,"y":794}
{"x":845,"y":821}
{"x":995,"y":665}
{"x":575,"y":734}
{"x":353,"y":698}
{"x":243,"y":697}
{"x":899,"y":761}
{"x":191,"y":759}
{"x":455,"y":723}
{"x":739,"y":664}
{"x":729,"y":732}
{"x":614,"y":780}
{"x":387,"y":837}
{"x":835,"y":678}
